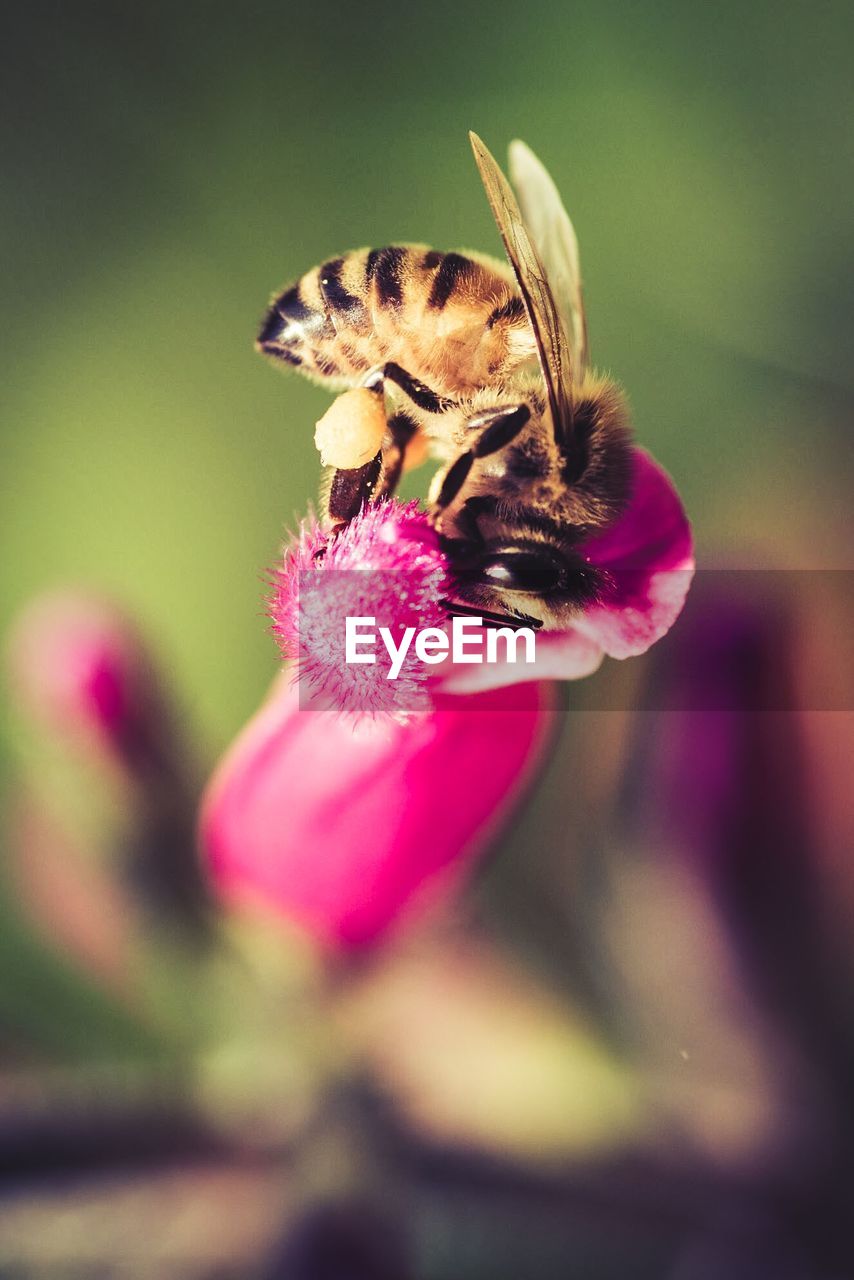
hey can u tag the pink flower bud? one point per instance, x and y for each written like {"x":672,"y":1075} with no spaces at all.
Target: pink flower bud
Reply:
{"x":81,"y":669}
{"x":78,"y":666}
{"x":346,"y":826}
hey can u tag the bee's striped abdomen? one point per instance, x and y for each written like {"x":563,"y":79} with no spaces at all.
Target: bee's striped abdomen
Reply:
{"x":452,"y":271}
{"x":384,"y":274}
{"x":451,"y":320}
{"x":289,"y":323}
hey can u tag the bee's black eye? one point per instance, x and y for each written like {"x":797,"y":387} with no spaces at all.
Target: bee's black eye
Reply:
{"x":538,"y":571}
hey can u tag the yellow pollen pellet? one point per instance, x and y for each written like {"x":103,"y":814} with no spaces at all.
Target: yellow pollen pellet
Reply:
{"x":351,"y":431}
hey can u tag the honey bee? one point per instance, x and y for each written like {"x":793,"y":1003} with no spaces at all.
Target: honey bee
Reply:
{"x":486,"y":363}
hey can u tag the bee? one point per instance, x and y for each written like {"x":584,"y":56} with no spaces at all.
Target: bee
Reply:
{"x":487,"y":364}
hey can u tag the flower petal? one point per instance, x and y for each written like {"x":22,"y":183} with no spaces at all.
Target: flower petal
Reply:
{"x":81,"y":668}
{"x":565,"y":655}
{"x":650,"y":555}
{"x":342,"y":825}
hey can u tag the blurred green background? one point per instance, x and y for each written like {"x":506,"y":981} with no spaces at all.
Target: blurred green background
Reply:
{"x":167,"y":166}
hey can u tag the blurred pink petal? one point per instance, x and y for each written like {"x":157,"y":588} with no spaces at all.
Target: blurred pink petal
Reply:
{"x":79,"y":909}
{"x":649,"y":556}
{"x":342,"y":826}
{"x":78,"y":665}
{"x":649,"y":552}
{"x":82,"y":674}
{"x":569,"y":656}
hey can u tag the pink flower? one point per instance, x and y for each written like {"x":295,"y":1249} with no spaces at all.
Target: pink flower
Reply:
{"x":347,"y":825}
{"x":648,"y":555}
{"x":80,"y":667}
{"x":386,"y":563}
{"x":82,"y":672}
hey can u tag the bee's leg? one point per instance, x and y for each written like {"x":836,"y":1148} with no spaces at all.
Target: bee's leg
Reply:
{"x":402,"y":426}
{"x":422,"y":396}
{"x":466,"y":521}
{"x":401,"y":429}
{"x":497,"y":428}
{"x":349,"y":490}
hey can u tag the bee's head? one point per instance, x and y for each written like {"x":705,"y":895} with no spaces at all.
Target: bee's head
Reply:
{"x":519,"y":561}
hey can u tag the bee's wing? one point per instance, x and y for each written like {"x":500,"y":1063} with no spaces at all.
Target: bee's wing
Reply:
{"x":556,"y":242}
{"x":552,"y":346}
